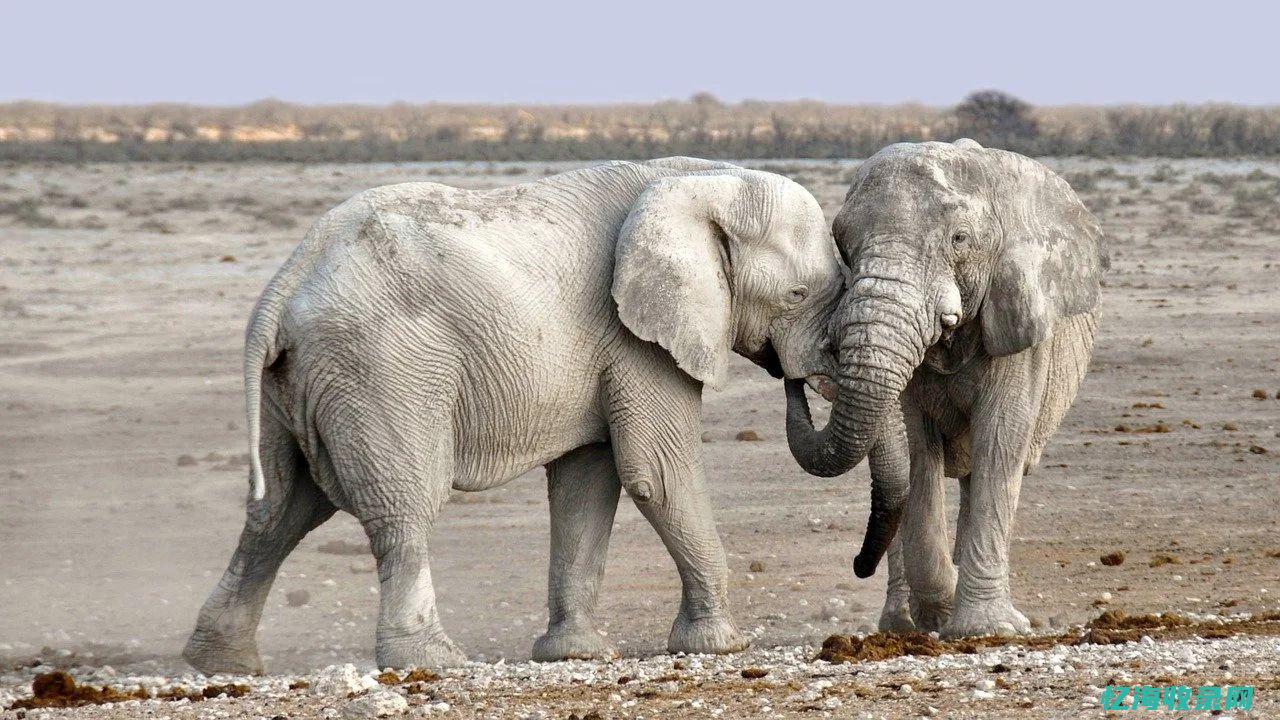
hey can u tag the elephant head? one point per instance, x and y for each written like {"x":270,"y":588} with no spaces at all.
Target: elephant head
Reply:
{"x":729,"y":259}
{"x":946,"y":243}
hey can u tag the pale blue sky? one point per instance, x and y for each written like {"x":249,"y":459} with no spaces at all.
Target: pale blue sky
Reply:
{"x":230,"y":52}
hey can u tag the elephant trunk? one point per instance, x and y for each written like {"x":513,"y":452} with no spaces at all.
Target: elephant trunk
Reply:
{"x":882,"y":344}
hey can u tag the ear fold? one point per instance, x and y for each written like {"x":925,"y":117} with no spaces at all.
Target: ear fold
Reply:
{"x":671,"y":268}
{"x":1052,"y":258}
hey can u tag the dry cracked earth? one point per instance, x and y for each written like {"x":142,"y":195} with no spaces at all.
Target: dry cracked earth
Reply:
{"x":123,"y":294}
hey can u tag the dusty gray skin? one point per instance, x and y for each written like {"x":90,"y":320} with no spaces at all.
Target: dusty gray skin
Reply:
{"x":963,"y":339}
{"x":424,"y":338}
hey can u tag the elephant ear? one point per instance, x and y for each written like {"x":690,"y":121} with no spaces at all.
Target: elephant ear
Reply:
{"x":1051,"y":260}
{"x":671,"y":271}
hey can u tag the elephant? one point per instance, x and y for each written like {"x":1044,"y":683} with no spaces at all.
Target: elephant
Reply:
{"x":424,"y":338}
{"x":962,"y":340}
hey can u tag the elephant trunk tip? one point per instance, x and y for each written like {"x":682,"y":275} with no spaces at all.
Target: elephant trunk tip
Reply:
{"x":882,"y":526}
{"x":865,"y":564}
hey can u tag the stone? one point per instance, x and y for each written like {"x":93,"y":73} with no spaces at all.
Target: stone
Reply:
{"x":340,"y":680}
{"x":377,"y":704}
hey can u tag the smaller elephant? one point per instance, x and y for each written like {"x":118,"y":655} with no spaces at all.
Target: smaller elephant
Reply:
{"x":963,"y":338}
{"x":424,"y":339}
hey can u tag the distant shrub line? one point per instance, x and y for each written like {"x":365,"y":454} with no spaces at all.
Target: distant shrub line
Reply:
{"x":276,"y":131}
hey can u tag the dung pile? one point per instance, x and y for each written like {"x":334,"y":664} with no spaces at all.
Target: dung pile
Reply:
{"x":58,"y":689}
{"x":880,"y":646}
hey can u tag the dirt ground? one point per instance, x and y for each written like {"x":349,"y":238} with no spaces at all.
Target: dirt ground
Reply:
{"x":123,"y":295}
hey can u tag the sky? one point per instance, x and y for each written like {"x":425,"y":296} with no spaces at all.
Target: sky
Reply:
{"x":226,"y":52}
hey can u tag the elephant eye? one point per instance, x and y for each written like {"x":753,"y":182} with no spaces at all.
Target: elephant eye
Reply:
{"x":797,"y":293}
{"x":960,"y":238}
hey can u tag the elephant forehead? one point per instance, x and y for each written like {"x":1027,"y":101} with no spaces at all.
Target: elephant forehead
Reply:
{"x":938,"y":167}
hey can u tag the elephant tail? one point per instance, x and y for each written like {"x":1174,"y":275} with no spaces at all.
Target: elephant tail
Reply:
{"x":261,"y":348}
{"x":263,"y":343}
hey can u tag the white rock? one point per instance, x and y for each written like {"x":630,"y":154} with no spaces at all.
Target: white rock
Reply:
{"x":983,"y":695}
{"x":985,"y":685}
{"x":340,"y":680}
{"x":377,"y":704}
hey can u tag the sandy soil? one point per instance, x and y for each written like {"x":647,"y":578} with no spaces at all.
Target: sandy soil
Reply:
{"x":123,"y":294}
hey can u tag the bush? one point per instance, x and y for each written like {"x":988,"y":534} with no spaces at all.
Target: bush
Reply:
{"x":997,"y":118}
{"x":27,"y":212}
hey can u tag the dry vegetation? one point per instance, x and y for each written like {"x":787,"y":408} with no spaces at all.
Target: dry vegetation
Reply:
{"x":704,"y":126}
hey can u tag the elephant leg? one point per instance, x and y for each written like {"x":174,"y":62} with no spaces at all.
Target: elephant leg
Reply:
{"x":1003,"y":422}
{"x":224,"y":637}
{"x":962,"y":521}
{"x":929,"y":570}
{"x":683,"y":520}
{"x":396,"y":472}
{"x":896,"y":615}
{"x":583,"y":488}
{"x":656,"y":428}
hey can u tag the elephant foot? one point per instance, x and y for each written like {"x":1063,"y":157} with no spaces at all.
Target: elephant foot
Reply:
{"x":990,"y":617}
{"x":212,"y":653}
{"x":715,"y":635}
{"x":428,"y":651}
{"x":896,"y":615}
{"x":931,"y":614}
{"x":565,"y":643}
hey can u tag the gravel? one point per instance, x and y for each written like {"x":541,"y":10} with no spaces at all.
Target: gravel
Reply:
{"x":1063,"y":681}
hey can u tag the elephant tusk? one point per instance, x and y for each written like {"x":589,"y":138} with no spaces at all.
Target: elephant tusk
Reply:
{"x":822,"y":385}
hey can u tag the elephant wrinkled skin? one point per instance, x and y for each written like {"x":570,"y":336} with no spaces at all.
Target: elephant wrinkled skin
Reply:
{"x":962,"y":341}
{"x":425,"y":338}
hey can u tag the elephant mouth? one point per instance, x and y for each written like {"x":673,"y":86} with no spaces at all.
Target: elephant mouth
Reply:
{"x":767,"y":358}
{"x":823,"y":385}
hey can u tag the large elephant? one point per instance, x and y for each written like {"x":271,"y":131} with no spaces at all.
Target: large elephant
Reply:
{"x":425,"y":338}
{"x":962,"y":341}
